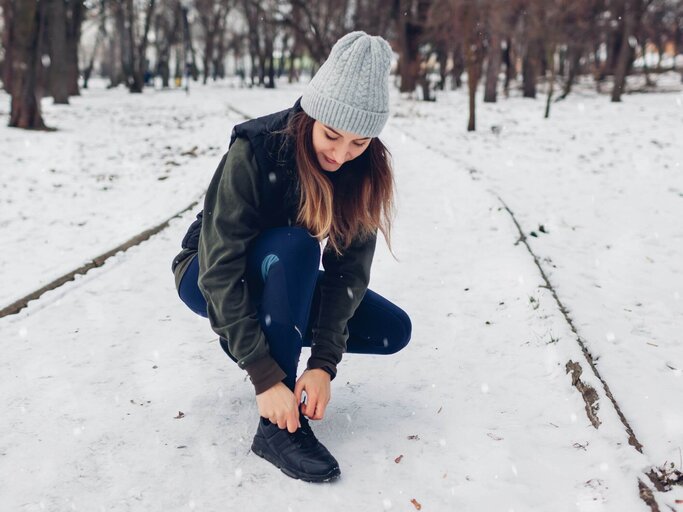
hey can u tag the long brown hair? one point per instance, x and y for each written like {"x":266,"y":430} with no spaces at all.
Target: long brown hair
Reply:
{"x":360,"y":202}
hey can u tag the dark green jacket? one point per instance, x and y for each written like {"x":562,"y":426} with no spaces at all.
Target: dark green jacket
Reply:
{"x":256,"y":187}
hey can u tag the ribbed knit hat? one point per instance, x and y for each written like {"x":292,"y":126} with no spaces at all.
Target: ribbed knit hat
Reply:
{"x":350,"y":91}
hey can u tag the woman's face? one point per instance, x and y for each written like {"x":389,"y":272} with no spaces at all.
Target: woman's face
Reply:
{"x":335,"y":147}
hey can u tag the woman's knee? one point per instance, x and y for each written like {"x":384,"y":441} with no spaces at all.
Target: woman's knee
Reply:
{"x":404,"y":329}
{"x":290,"y":245}
{"x":300,"y":242}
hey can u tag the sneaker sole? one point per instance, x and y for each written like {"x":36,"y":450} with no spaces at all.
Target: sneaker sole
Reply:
{"x":332,"y":475}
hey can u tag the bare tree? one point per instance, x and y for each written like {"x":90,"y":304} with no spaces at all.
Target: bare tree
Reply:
{"x":465,"y":20}
{"x":75,"y":12}
{"x":212,"y":14}
{"x":412,"y":17}
{"x":56,"y":23}
{"x":531,"y":36}
{"x":496,"y":31}
{"x":22,"y":23}
{"x":133,"y":49}
{"x":317,"y":25}
{"x":632,"y":9}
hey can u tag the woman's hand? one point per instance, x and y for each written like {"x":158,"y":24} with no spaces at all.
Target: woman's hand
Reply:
{"x":280,"y":406}
{"x":316,"y":383}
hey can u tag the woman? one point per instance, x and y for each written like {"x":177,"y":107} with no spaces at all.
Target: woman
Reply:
{"x":250,"y":262}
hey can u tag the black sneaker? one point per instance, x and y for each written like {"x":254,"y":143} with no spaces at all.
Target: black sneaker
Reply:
{"x":298,"y":455}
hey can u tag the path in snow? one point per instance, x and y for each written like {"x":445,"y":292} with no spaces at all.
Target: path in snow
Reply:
{"x":482,"y":383}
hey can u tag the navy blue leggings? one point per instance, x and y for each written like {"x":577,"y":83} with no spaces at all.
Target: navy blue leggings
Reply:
{"x":282,"y":274}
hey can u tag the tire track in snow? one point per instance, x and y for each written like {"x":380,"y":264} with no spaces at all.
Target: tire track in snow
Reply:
{"x":588,"y":393}
{"x":20,"y":304}
{"x":98,"y":261}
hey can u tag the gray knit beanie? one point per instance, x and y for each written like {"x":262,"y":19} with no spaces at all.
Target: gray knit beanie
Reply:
{"x":350,"y":91}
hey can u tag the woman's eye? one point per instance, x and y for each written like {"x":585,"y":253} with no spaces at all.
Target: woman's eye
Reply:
{"x":359,"y":144}
{"x":331,"y":138}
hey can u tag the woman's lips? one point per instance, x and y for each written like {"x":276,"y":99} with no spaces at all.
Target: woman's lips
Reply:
{"x":333,"y":162}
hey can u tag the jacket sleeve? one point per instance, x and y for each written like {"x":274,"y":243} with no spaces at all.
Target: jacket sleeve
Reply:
{"x":342,"y":287}
{"x":231,"y":221}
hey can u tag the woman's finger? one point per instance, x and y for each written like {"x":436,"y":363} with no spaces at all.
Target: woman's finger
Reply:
{"x":298,"y":389}
{"x":312,"y":402}
{"x":292,"y":422}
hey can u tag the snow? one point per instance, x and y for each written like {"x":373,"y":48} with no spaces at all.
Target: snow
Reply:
{"x":116,"y":397}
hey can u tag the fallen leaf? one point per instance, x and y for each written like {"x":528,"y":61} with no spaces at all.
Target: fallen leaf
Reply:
{"x":181,"y":414}
{"x":416,"y":504}
{"x":398,"y":459}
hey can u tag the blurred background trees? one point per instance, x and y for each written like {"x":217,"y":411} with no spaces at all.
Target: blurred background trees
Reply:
{"x":51,"y":48}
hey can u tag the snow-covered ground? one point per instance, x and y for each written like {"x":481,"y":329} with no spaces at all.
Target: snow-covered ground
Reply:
{"x":476,"y":414}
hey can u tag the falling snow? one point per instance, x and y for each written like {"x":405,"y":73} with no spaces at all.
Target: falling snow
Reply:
{"x":492,"y":410}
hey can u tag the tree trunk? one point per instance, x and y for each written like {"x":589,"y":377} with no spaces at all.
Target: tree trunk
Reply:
{"x":494,"y":56}
{"x":472,"y":80}
{"x":179,"y":65}
{"x":56,"y":13}
{"x":23,"y":44}
{"x":7,"y":18}
{"x":573,"y":62}
{"x":140,"y":57}
{"x":442,"y":58}
{"x":613,"y":45}
{"x":561,"y":61}
{"x":208,"y":54}
{"x":124,"y":36}
{"x":409,"y":60}
{"x":190,"y":56}
{"x":530,"y":70}
{"x":550,"y":59}
{"x":458,"y":67}
{"x":74,"y":20}
{"x":219,"y":53}
{"x":492,"y":70}
{"x":625,"y":52}
{"x":510,"y":71}
{"x":293,"y":75}
{"x":473,"y":53}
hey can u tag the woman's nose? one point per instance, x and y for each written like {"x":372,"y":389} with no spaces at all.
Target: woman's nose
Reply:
{"x":337,"y":155}
{"x":341,"y":154}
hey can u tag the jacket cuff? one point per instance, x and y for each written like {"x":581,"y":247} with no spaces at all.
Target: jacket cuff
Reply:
{"x":315,"y":362}
{"x":264,"y":373}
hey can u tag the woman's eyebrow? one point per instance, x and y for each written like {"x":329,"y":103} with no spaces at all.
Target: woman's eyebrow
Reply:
{"x":335,"y":131}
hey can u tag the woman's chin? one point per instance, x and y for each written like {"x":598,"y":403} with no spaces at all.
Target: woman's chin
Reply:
{"x":327,"y":166}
